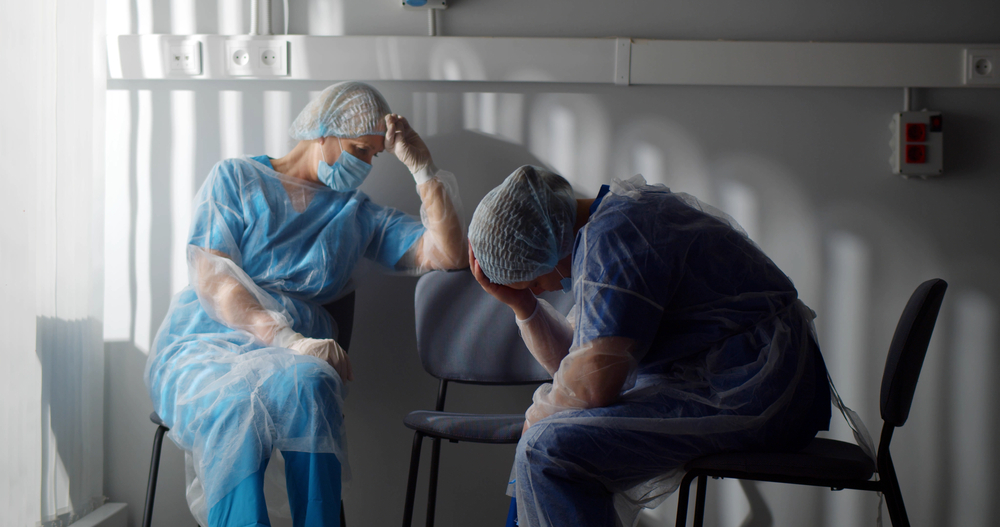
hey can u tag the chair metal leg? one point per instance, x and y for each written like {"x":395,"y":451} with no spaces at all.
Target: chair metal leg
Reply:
{"x":411,"y":482}
{"x":432,"y":486}
{"x":154,"y":469}
{"x":893,"y":496}
{"x":682,"y":500}
{"x":699,"y":502}
{"x":343,"y":518}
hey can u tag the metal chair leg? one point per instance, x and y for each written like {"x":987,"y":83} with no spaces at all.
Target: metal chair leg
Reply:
{"x":411,"y":482}
{"x":154,"y":469}
{"x":893,"y":496}
{"x":682,"y":500}
{"x":432,"y":486}
{"x":699,"y":502}
{"x":343,"y":518}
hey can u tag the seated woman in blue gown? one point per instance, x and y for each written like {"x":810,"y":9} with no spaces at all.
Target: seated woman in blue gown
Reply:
{"x":246,"y":360}
{"x":685,"y":339}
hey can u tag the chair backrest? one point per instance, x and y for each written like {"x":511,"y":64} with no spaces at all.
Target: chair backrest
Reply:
{"x":342,"y":312}
{"x":466,"y":335}
{"x":906,"y":353}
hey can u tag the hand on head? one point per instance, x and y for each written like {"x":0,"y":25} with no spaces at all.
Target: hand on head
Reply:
{"x":522,"y":301}
{"x":405,"y":143}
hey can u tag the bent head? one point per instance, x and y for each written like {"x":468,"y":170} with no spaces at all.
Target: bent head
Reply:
{"x":364,"y":148}
{"x":523,"y":228}
{"x":346,"y":118}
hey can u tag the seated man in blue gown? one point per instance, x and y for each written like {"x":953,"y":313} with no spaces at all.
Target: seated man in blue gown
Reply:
{"x":685,"y":340}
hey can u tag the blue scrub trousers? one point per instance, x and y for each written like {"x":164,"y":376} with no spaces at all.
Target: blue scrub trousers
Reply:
{"x":313,"y":482}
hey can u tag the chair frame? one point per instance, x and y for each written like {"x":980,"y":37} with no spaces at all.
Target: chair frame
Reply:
{"x":341,"y":310}
{"x":418,"y":437}
{"x":927,"y":300}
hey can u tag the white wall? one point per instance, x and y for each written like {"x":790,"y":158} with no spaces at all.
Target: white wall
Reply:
{"x":805,"y":170}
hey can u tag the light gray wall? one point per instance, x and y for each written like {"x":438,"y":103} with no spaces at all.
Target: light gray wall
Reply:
{"x":806,"y":171}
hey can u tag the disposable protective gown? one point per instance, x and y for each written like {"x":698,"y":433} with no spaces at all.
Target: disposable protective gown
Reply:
{"x":720,"y":353}
{"x":228,"y":398}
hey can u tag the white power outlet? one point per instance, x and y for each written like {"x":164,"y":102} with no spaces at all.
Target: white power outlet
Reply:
{"x":238,"y":58}
{"x":184,"y":57}
{"x":981,"y":66}
{"x":251,"y":57}
{"x":272,"y":57}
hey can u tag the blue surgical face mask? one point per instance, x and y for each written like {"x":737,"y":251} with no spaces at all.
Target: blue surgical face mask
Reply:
{"x":566,"y":282}
{"x":347,"y":173}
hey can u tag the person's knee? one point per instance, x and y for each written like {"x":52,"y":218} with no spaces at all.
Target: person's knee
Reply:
{"x":315,"y":381}
{"x":544,"y":444}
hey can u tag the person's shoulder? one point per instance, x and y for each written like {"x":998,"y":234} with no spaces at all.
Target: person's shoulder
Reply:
{"x":614,"y":213}
{"x":238,"y":169}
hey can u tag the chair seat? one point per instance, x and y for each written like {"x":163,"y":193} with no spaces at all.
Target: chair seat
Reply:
{"x":824,"y":459}
{"x":476,"y":428}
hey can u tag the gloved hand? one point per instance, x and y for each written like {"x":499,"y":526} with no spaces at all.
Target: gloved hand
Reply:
{"x":324,"y":349}
{"x":406,"y":144}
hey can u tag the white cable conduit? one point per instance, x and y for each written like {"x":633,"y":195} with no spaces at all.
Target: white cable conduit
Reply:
{"x":575,"y":60}
{"x":265,"y":17}
{"x":254,"y":10}
{"x":261,"y":15}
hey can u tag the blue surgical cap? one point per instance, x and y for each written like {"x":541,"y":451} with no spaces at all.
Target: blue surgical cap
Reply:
{"x":346,"y":109}
{"x":522,"y":228}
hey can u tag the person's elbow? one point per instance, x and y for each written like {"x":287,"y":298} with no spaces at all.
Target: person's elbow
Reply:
{"x":433,"y":254}
{"x":603,"y":387}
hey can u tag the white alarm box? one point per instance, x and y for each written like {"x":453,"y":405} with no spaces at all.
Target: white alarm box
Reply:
{"x":917,"y":144}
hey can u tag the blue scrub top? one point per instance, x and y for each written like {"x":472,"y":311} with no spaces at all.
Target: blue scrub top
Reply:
{"x":228,"y":398}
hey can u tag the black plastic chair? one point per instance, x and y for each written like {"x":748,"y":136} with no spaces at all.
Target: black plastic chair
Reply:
{"x":342,"y":311}
{"x":837,"y":464}
{"x":464,"y":335}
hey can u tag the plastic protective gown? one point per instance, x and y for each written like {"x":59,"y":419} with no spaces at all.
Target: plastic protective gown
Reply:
{"x":715,"y":350}
{"x":265,"y":253}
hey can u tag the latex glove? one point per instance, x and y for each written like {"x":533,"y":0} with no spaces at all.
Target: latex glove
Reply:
{"x":324,"y":349}
{"x":406,"y":144}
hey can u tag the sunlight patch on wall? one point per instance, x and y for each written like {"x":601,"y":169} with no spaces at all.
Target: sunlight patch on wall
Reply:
{"x":973,"y":413}
{"x":143,"y":221}
{"x":425,"y":113}
{"x":182,"y":155}
{"x":733,"y":503}
{"x":182,"y":17}
{"x":848,"y":284}
{"x":326,"y":17}
{"x":231,"y":20}
{"x":277,"y":119}
{"x":664,"y":153}
{"x":144,"y":17}
{"x":740,"y":202}
{"x":495,"y":114}
{"x":117,"y":217}
{"x":231,"y":123}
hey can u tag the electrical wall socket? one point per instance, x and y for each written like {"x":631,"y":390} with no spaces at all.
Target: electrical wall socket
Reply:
{"x":981,"y":66}
{"x":183,"y":57}
{"x":272,"y":57}
{"x":248,"y":57}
